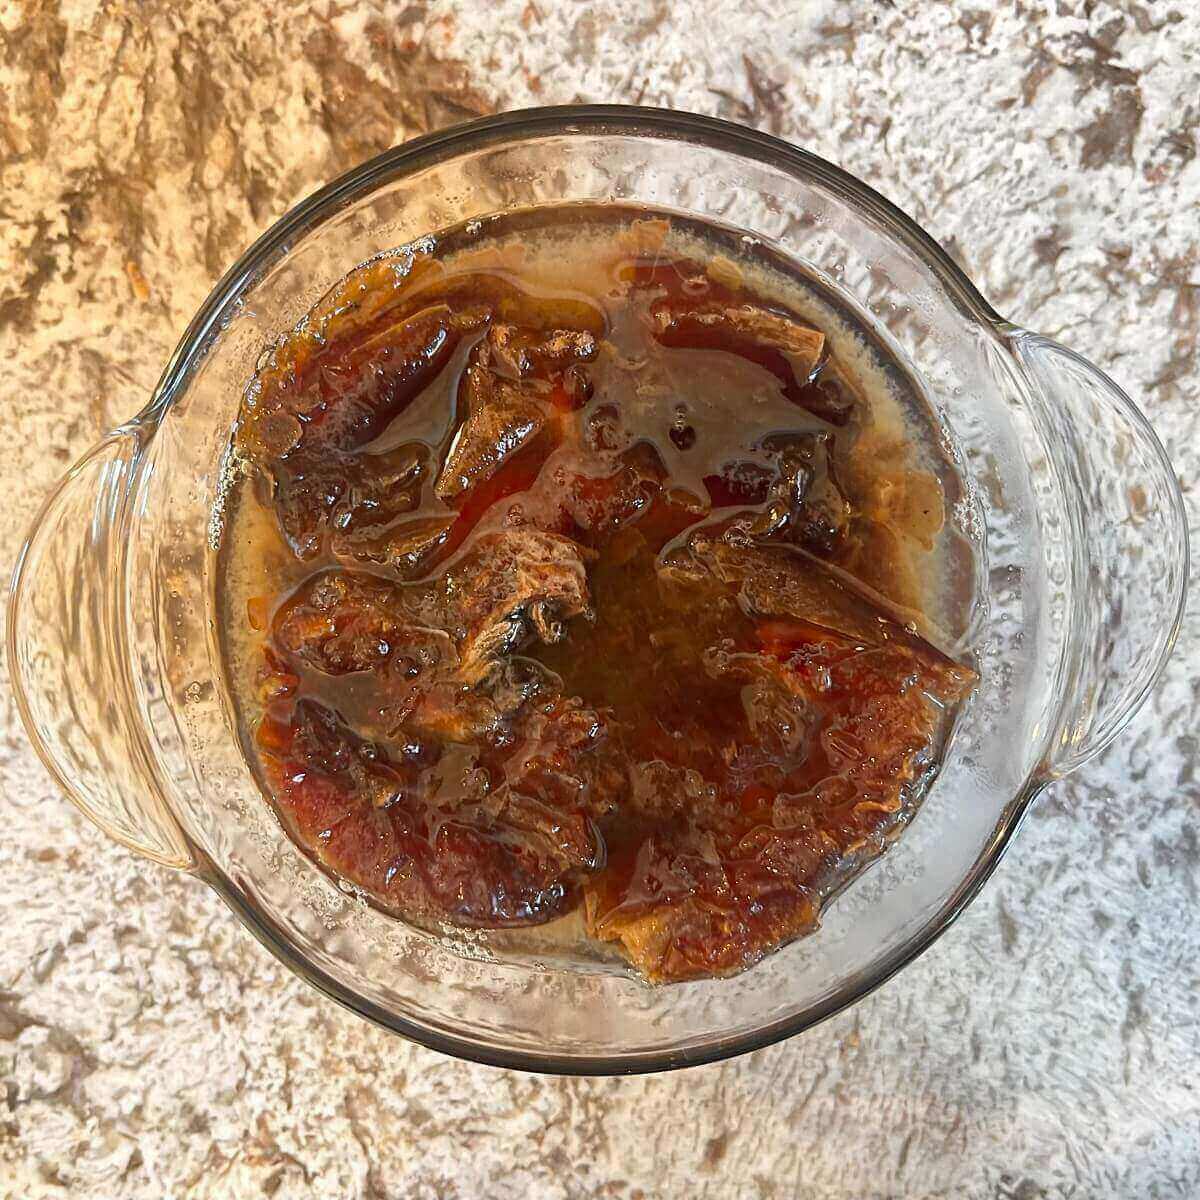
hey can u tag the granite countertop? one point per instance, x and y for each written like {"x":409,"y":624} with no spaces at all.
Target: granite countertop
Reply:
{"x":1047,"y":1046}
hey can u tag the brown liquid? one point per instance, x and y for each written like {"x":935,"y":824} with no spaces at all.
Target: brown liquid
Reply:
{"x":561,"y":565}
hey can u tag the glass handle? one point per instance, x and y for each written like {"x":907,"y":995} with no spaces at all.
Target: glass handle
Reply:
{"x":68,"y":660}
{"x":1126,"y":566}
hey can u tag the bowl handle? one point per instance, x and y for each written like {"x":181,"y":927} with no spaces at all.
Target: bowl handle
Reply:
{"x":68,"y":655}
{"x":1123,"y":572}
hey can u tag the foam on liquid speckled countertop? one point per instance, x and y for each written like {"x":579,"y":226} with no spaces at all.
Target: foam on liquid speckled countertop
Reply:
{"x":1047,"y":1046}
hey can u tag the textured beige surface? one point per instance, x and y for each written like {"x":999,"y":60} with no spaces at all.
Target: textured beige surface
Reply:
{"x":1046,"y":1047}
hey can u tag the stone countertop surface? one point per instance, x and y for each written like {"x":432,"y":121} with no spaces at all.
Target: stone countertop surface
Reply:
{"x":1047,"y":1046}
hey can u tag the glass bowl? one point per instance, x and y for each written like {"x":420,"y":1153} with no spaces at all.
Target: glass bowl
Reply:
{"x":1070,"y":499}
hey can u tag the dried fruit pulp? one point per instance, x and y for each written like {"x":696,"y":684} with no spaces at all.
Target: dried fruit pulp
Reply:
{"x":575,"y":568}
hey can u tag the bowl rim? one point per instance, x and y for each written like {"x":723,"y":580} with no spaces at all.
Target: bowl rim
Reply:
{"x":524,"y":125}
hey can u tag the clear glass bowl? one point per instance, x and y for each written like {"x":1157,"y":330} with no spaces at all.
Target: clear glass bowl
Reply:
{"x":1072,"y":502}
